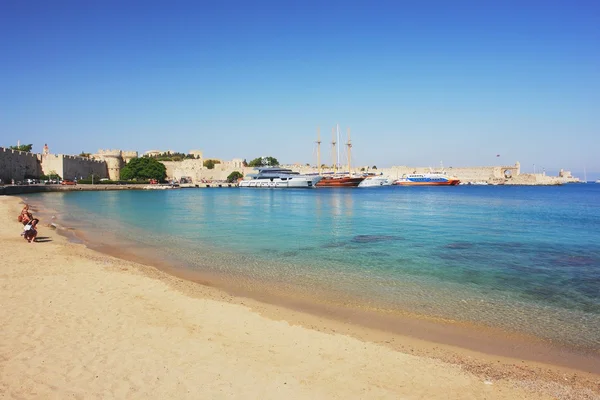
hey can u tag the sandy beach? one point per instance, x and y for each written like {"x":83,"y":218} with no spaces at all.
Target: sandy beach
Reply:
{"x":80,"y":324}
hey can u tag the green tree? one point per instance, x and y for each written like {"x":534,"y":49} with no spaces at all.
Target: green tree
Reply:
{"x":85,"y":155}
{"x":52,"y":175}
{"x":144,"y":168}
{"x":234,"y":176}
{"x":210,"y":164}
{"x":374,"y":167}
{"x":263,"y":161}
{"x":24,"y":147}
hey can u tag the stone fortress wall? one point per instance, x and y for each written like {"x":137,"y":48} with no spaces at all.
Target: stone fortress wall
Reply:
{"x":501,"y":175}
{"x":18,"y":165}
{"x":72,"y":167}
{"x":489,"y":174}
{"x":196,"y":170}
{"x":114,"y":160}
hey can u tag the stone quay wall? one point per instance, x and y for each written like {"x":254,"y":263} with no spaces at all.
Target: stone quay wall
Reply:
{"x":18,"y":165}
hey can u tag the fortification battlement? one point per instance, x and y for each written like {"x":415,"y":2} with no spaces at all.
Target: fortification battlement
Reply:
{"x":109,"y":153}
{"x":22,"y":153}
{"x":69,"y":157}
{"x":81,"y":158}
{"x":129,"y":154}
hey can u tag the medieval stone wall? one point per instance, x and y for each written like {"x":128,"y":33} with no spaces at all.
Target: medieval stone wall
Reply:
{"x":81,"y":168}
{"x":191,"y":168}
{"x":115,"y":160}
{"x":18,"y":165}
{"x":72,"y":167}
{"x":52,"y":164}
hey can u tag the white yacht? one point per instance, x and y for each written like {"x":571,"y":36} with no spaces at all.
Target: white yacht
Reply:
{"x":375,"y":181}
{"x":275,"y":177}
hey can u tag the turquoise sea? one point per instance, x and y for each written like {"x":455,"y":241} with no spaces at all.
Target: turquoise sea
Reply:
{"x":524,"y":259}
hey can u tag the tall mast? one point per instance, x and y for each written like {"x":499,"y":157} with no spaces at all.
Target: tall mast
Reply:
{"x":319,"y":149}
{"x":349,"y":144}
{"x":338,"y":147}
{"x":333,"y":142}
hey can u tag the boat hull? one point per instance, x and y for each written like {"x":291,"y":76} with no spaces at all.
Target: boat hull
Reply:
{"x":375,"y":182}
{"x":449,"y":182}
{"x":340,"y":182}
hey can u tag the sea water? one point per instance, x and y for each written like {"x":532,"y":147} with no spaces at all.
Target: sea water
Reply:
{"x":521,"y":258}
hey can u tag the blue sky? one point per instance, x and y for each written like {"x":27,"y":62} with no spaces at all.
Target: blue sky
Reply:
{"x":417,"y":82}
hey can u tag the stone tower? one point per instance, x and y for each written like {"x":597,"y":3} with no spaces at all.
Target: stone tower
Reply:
{"x":113,"y":161}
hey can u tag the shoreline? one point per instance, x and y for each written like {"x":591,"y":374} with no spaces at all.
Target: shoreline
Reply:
{"x":392,"y":327}
{"x":18,"y":190}
{"x":490,"y":341}
{"x":485,"y":366}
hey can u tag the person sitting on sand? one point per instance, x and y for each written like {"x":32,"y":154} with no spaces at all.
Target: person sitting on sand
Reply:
{"x":29,"y":232}
{"x":27,"y":218}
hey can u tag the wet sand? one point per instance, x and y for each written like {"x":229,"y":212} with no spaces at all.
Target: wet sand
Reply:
{"x":80,"y":323}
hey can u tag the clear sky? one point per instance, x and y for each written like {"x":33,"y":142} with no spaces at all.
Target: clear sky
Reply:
{"x":417,"y":82}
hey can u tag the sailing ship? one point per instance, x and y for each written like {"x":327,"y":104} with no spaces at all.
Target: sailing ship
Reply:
{"x":338,"y":179}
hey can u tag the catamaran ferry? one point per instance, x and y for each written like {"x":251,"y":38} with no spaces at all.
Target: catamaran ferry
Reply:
{"x":275,"y":177}
{"x":428,"y":179}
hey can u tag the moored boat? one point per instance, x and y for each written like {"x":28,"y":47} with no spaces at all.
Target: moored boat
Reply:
{"x":340,"y":181}
{"x":275,"y":177}
{"x":375,"y":181}
{"x":427,"y":179}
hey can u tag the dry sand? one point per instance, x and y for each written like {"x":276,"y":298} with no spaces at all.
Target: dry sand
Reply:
{"x":80,"y":324}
